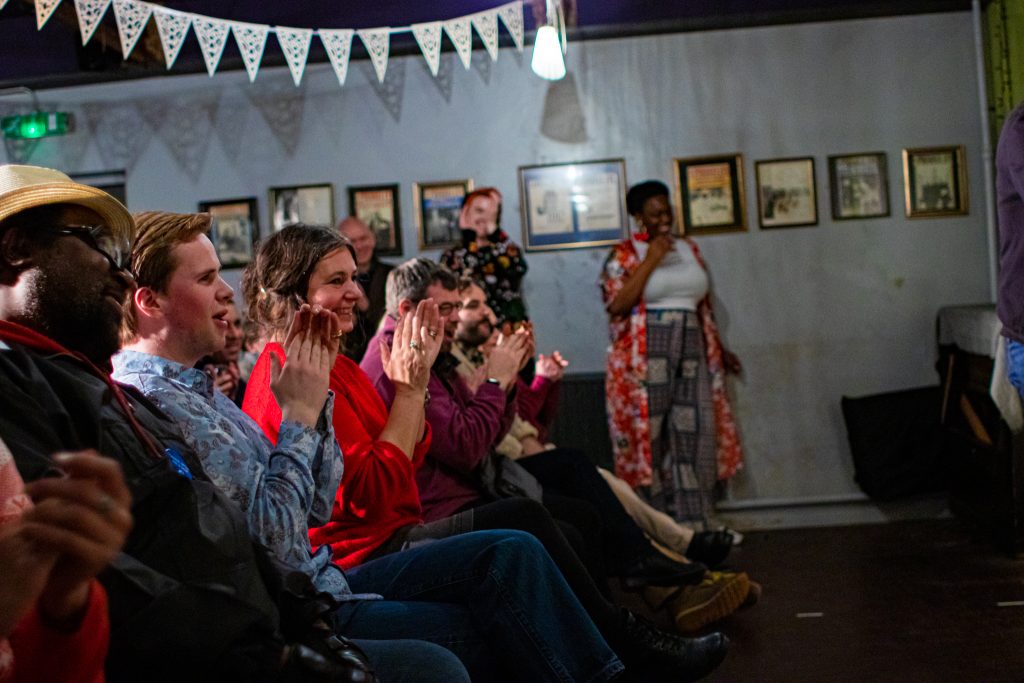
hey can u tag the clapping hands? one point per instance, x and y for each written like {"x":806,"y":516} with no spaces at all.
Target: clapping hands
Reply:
{"x":311,"y":347}
{"x":417,"y":341}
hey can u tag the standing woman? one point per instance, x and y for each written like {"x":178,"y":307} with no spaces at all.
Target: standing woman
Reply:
{"x":489,"y":256}
{"x":671,"y":425}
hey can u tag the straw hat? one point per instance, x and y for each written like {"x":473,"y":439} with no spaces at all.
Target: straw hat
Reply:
{"x":26,"y":187}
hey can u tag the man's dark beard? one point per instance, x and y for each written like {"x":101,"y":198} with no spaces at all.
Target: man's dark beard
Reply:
{"x":475,"y":336}
{"x":78,"y":317}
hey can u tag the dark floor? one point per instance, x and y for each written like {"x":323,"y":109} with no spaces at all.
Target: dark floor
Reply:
{"x":906,"y":601}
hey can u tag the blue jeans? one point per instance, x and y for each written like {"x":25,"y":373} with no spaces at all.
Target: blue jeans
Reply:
{"x":412,"y":661}
{"x":1015,"y":365}
{"x":494,"y":598}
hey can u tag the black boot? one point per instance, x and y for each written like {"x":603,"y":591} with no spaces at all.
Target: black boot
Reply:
{"x":654,"y":655}
{"x":710,"y":547}
{"x":654,"y":569}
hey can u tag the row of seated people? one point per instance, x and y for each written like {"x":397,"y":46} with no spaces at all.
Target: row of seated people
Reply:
{"x":198,"y":519}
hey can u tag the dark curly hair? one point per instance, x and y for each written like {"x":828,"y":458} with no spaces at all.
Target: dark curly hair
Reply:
{"x":275,"y":283}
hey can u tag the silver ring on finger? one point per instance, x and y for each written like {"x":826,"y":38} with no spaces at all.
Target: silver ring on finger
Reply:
{"x":415,"y":345}
{"x":105,"y":505}
{"x":432,"y":333}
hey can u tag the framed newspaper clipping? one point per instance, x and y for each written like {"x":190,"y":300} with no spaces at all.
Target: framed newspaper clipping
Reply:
{"x":710,"y":196}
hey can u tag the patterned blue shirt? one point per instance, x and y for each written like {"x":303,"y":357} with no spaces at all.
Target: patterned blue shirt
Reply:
{"x":284,"y":489}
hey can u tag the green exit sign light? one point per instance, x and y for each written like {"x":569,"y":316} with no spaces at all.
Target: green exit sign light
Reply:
{"x":38,"y":124}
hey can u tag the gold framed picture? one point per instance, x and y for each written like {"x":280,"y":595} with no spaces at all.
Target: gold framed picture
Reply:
{"x":859,"y":185}
{"x":787,"y":196}
{"x":710,"y":194}
{"x":935,"y":181}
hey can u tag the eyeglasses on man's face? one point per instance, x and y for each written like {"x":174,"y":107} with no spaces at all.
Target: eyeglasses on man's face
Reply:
{"x":446,"y":309}
{"x":99,"y":238}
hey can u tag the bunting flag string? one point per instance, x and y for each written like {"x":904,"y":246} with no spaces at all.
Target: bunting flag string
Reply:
{"x":131,"y":21}
{"x":377,"y":42}
{"x":90,"y":13}
{"x":212,"y":35}
{"x":338,"y":43}
{"x":459,"y":33}
{"x":512,"y":16}
{"x":44,"y":10}
{"x":486,"y":25}
{"x":251,"y":40}
{"x":173,"y":26}
{"x":295,"y":44}
{"x":428,"y":37}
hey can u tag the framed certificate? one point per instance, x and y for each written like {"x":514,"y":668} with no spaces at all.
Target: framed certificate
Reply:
{"x":710,"y":194}
{"x":573,"y":206}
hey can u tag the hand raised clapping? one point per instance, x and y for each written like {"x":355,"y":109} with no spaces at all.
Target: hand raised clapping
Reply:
{"x":311,"y":347}
{"x":417,"y":341}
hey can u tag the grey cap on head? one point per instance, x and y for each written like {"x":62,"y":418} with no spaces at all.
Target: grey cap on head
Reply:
{"x":29,"y":187}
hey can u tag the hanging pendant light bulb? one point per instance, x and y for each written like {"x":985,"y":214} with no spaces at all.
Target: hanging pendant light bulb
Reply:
{"x":548,"y":61}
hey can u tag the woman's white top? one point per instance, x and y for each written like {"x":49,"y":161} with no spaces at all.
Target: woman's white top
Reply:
{"x":678,"y":282}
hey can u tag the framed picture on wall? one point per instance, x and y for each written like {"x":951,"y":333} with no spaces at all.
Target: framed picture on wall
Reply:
{"x":786,"y":194}
{"x":234,"y":229}
{"x":935,"y":181}
{"x":377,"y":206}
{"x":573,"y":206}
{"x":859,"y":185}
{"x":709,"y":191}
{"x":310,"y":204}
{"x":437,"y":211}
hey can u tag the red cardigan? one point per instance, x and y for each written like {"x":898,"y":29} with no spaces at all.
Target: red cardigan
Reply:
{"x":378,"y":493}
{"x":44,"y":654}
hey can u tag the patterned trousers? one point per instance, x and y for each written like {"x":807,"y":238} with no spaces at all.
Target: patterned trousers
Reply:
{"x":683,"y":451}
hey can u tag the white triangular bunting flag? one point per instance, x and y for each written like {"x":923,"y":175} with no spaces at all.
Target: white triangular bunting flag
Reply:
{"x":429,"y":38}
{"x":131,"y":20}
{"x":212,"y":35}
{"x":338,"y":43}
{"x":512,"y":16}
{"x":377,"y":42}
{"x":486,"y":24}
{"x":44,"y":9}
{"x":173,"y":29}
{"x":90,"y":12}
{"x":251,"y":39}
{"x":459,"y":31}
{"x":295,"y":44}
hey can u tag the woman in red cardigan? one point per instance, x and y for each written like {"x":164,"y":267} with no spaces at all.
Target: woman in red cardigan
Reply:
{"x":378,"y":500}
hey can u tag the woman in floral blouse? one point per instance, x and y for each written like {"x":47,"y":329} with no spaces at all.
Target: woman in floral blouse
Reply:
{"x":489,"y":256}
{"x":671,"y":424}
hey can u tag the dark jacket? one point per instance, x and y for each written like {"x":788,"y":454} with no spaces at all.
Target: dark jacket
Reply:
{"x":373,"y":283}
{"x":191,"y":596}
{"x":1010,"y":201}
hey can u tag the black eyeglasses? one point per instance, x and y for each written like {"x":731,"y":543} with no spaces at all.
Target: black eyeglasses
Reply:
{"x":99,"y":238}
{"x":446,"y":309}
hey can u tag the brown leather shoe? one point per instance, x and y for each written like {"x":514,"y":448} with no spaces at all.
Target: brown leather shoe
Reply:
{"x":717,"y":596}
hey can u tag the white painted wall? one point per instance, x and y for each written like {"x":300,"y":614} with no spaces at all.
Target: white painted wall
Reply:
{"x":815,"y":313}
